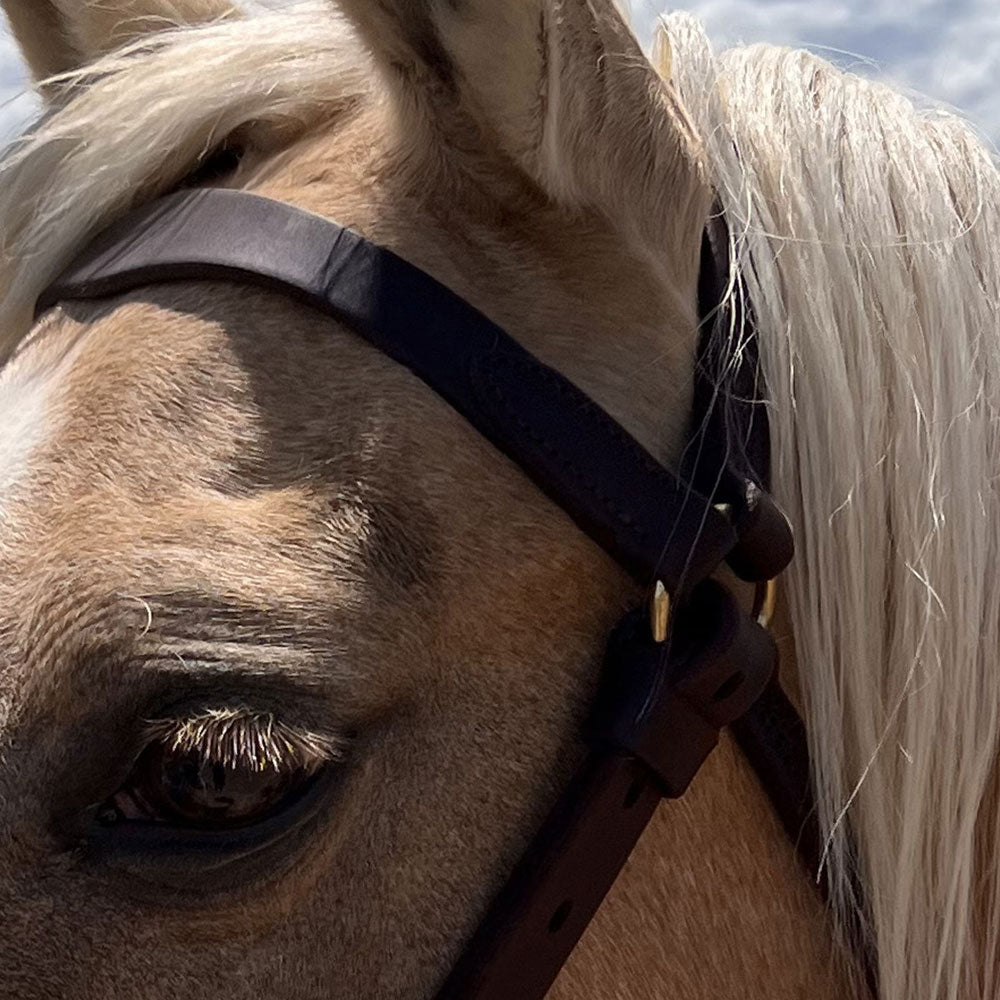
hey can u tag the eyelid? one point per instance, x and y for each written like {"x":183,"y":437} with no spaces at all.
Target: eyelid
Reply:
{"x":238,"y":735}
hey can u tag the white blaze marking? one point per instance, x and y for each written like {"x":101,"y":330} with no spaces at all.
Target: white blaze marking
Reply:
{"x":23,"y":408}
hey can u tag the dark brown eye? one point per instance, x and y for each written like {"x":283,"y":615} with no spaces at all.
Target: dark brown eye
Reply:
{"x":222,"y":770}
{"x":185,"y":788}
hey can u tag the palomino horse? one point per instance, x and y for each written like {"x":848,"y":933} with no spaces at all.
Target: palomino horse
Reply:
{"x":233,"y":532}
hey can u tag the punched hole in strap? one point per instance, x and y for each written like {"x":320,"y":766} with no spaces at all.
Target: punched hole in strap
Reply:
{"x":633,"y":794}
{"x":561,"y":915}
{"x":729,"y":687}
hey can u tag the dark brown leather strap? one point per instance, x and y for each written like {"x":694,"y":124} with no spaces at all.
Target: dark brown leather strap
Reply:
{"x":656,"y":718}
{"x":654,"y":523}
{"x":555,"y":890}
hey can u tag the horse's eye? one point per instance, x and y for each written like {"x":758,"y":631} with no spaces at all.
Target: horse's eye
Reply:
{"x":183,"y":787}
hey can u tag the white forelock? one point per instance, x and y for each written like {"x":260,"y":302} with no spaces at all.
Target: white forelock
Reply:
{"x":141,"y":119}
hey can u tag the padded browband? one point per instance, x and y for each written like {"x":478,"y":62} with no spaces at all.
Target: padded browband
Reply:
{"x":655,"y":524}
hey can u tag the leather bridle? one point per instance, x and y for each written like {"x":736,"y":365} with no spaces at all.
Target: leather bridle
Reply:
{"x":672,"y":677}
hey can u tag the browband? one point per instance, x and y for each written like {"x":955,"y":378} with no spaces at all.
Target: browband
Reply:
{"x":656,"y":525}
{"x":661,"y":704}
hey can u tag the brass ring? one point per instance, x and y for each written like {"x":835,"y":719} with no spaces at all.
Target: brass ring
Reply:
{"x":767,"y":605}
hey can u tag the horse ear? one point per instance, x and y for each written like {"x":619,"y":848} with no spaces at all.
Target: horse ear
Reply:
{"x":57,"y":36}
{"x":561,"y":86}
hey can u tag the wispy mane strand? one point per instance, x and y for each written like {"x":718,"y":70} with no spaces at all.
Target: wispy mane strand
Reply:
{"x":138,"y":121}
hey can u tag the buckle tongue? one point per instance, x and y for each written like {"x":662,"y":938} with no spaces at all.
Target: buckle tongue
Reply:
{"x":665,"y":703}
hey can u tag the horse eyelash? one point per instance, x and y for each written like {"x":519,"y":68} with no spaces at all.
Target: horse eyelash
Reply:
{"x":240,"y":737}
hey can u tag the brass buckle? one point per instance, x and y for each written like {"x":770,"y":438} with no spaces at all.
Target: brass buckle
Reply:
{"x":767,"y":603}
{"x":659,"y":613}
{"x":660,"y":608}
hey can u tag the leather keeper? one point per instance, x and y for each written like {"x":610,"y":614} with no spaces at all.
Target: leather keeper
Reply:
{"x":765,"y":545}
{"x":665,"y":703}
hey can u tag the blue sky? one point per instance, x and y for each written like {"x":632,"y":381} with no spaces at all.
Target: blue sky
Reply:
{"x":946,"y":49}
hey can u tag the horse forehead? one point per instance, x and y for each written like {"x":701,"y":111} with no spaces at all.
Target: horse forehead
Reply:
{"x":100,"y":496}
{"x":126,"y":433}
{"x":102,"y":420}
{"x":138,"y":398}
{"x":29,"y":386}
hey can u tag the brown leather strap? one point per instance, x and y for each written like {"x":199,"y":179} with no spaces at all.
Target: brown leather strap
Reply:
{"x":554,"y":892}
{"x":656,"y":718}
{"x":653,"y":522}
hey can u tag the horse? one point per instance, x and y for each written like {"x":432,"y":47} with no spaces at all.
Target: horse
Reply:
{"x":236,"y":537}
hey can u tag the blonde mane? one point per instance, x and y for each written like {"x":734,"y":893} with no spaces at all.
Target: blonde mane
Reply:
{"x":868,"y":235}
{"x":135,"y":123}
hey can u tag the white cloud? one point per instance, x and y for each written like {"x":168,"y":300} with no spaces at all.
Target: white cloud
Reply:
{"x":946,"y":49}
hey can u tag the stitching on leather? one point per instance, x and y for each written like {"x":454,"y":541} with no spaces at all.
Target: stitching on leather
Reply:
{"x":622,"y":516}
{"x":584,"y":403}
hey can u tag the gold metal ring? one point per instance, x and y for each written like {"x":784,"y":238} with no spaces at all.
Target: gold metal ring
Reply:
{"x":767,"y":606}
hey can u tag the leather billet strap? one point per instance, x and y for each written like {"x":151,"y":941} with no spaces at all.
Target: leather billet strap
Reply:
{"x":651,"y":521}
{"x":550,"y":898}
{"x":660,"y":706}
{"x":655,"y":719}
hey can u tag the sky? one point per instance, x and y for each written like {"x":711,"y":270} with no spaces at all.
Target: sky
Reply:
{"x":948,"y":50}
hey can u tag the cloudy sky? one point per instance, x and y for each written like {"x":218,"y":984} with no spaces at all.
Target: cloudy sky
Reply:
{"x":947,"y":49}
